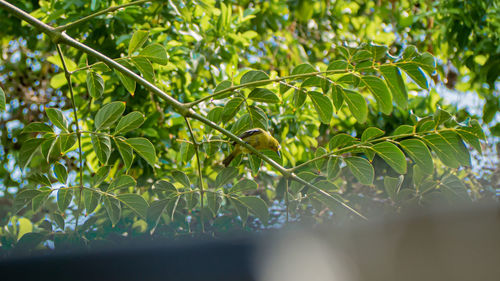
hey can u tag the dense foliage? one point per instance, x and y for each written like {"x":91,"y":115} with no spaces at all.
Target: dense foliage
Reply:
{"x":352,"y":90}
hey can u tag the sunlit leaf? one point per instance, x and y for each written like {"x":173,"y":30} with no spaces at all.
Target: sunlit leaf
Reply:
{"x":144,"y":148}
{"x":155,"y":53}
{"x":108,"y":115}
{"x":361,"y":169}
{"x":392,"y":155}
{"x":95,"y":84}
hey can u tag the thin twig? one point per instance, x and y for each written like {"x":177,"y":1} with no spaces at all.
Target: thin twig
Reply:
{"x":78,"y":133}
{"x":102,"y":12}
{"x":196,"y":148}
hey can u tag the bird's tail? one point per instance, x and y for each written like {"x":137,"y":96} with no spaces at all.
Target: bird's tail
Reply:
{"x":229,"y":158}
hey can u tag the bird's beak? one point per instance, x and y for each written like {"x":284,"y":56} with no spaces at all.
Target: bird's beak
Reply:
{"x":278,"y":151}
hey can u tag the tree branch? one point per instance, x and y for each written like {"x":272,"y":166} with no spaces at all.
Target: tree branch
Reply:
{"x":105,"y":11}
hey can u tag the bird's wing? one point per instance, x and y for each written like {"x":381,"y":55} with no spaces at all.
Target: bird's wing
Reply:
{"x":248,"y":133}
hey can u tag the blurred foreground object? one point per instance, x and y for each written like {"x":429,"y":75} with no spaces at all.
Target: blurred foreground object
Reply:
{"x":456,"y":245}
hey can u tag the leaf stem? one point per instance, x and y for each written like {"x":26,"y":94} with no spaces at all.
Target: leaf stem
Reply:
{"x":91,"y":16}
{"x":200,"y":174}
{"x":262,"y":82}
{"x":78,"y":133}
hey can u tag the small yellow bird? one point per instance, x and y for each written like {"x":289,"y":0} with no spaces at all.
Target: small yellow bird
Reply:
{"x":258,"y":138}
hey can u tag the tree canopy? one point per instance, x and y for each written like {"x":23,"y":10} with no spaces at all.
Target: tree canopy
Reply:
{"x":116,"y":115}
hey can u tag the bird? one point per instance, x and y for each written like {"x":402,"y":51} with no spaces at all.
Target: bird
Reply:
{"x":256,"y":137}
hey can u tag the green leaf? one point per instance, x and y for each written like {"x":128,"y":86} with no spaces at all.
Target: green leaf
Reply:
{"x":338,"y":65}
{"x":225,"y":176}
{"x":91,"y":200}
{"x":403,"y":130}
{"x":129,"y":122}
{"x":215,"y":114}
{"x":255,"y":163}
{"x":123,"y":181}
{"x":426,"y":61}
{"x":144,"y":148}
{"x":222,"y":86}
{"x":28,"y":149}
{"x":101,"y":174}
{"x":113,"y":209}
{"x":61,"y":173}
{"x":145,"y":68}
{"x":102,"y":147}
{"x":320,"y":152}
{"x":392,"y":155}
{"x":303,"y":69}
{"x":333,"y":167}
{"x":257,"y":206}
{"x":395,"y":82}
{"x":2,"y":100}
{"x":337,"y":97}
{"x":312,"y":82}
{"x":419,"y":153}
{"x":214,"y":200}
{"x":126,"y":152}
{"x":135,"y":202}
{"x":341,"y":140}
{"x":284,"y":87}
{"x":108,"y":115}
{"x":273,"y":155}
{"x":67,"y":142}
{"x":392,"y":186}
{"x":240,"y":209}
{"x":325,"y":185}
{"x":461,"y":151}
{"x":454,"y":187}
{"x":40,"y":179}
{"x":30,"y":241}
{"x":361,"y":169}
{"x":258,"y":117}
{"x":95,"y":84}
{"x":64,"y":197}
{"x":357,"y":105}
{"x":263,"y":95}
{"x":155,"y":53}
{"x":252,"y":76}
{"x":470,"y":137}
{"x":296,"y":187}
{"x":244,"y":185}
{"x":448,"y":148}
{"x":231,"y":108}
{"x":165,"y":186}
{"x":299,"y":97}
{"x":323,"y":106}
{"x":378,"y":51}
{"x":24,"y":197}
{"x":380,"y":92}
{"x":39,"y":200}
{"x":127,"y":82}
{"x":415,"y":73}
{"x":58,"y":219}
{"x":57,"y":118}
{"x":37,"y":127}
{"x":371,"y":133}
{"x":155,"y":211}
{"x":349,"y":79}
{"x":441,"y":116}
{"x":138,"y":39}
{"x":181,"y":178}
{"x":361,"y":55}
{"x":409,"y":52}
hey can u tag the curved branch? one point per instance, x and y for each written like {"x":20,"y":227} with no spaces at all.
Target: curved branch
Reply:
{"x":105,"y":11}
{"x":263,"y":82}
